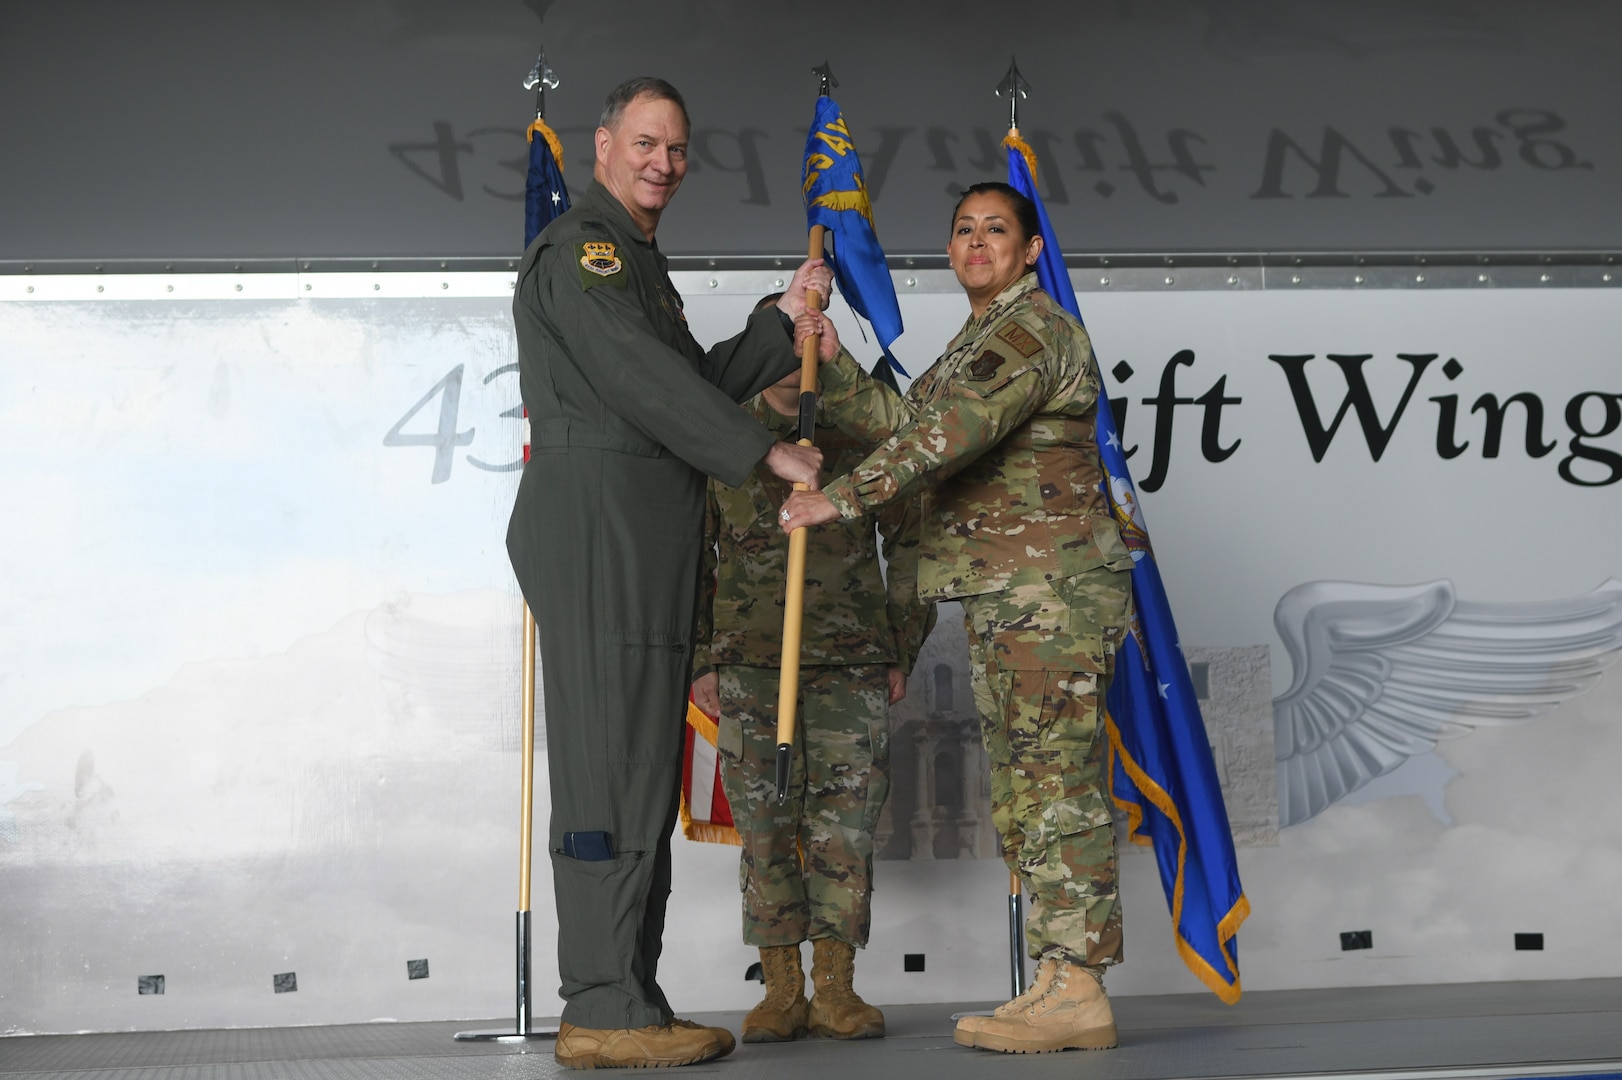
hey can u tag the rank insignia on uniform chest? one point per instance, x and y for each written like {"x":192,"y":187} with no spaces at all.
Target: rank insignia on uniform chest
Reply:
{"x":985,"y":366}
{"x":597,"y":257}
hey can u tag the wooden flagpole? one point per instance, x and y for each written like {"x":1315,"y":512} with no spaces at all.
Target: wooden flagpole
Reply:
{"x":1014,"y":87}
{"x":540,"y":79}
{"x":522,"y":1030}
{"x":788,"y":688}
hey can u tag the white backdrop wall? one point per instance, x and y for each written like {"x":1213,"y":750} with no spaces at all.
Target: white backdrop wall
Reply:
{"x":258,"y":646}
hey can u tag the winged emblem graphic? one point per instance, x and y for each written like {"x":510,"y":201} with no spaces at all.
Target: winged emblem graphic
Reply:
{"x":1384,"y":672}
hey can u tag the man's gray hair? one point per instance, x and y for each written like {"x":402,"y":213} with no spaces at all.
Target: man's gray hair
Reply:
{"x":631,"y":89}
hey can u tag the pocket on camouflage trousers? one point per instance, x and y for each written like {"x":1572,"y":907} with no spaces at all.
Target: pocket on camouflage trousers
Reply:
{"x":1050,"y":714}
{"x":1067,"y":817}
{"x":1032,"y":627}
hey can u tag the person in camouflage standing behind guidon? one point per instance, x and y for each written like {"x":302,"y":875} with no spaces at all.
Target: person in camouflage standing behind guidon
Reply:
{"x":806,"y":867}
{"x":999,"y":439}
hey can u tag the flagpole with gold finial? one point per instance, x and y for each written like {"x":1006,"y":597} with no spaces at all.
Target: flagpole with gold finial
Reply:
{"x":540,"y":79}
{"x":788,"y":687}
{"x":1014,"y":88}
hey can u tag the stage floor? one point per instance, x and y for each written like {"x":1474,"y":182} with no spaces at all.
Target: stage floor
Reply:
{"x":1497,"y":1030}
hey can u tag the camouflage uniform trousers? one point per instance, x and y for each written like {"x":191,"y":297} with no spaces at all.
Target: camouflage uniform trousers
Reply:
{"x":840,"y":779}
{"x":1041,"y":656}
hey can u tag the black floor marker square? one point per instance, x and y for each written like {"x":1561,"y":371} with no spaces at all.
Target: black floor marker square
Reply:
{"x":285,"y":983}
{"x":149,"y":984}
{"x":1529,"y":942}
{"x":1356,"y":939}
{"x":416,"y":969}
{"x":913,"y":961}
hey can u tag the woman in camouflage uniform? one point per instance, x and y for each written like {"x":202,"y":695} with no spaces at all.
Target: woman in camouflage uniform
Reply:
{"x":998,"y":441}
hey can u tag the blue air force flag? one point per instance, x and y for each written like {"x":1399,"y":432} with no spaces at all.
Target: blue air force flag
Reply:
{"x":1161,"y":771}
{"x":545,"y":197}
{"x":836,"y":198}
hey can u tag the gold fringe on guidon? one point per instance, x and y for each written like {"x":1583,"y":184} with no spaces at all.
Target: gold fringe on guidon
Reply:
{"x":706,"y":833}
{"x":1227,"y":991}
{"x":540,"y":127}
{"x":1013,"y":141}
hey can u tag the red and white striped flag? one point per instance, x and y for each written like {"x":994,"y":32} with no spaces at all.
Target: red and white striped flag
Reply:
{"x":705,"y":814}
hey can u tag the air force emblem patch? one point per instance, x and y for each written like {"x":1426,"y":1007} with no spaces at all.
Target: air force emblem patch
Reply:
{"x":597,"y":257}
{"x":599,"y":264}
{"x":985,"y":366}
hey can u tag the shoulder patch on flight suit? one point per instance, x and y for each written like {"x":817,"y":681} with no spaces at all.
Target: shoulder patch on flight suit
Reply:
{"x":1022,"y":340}
{"x":599,"y":264}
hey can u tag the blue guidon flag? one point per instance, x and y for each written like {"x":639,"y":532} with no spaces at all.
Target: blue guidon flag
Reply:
{"x":836,"y":198}
{"x":1161,"y":772}
{"x":545,"y":197}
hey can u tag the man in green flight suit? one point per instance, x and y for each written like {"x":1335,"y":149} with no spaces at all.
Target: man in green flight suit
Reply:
{"x":628,"y":415}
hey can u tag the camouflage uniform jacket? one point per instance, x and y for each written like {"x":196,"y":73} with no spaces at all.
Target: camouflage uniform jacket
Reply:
{"x":999,"y":439}
{"x":850,"y":616}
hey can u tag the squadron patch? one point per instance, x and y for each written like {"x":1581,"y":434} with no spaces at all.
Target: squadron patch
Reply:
{"x":1023,"y":341}
{"x":599,"y":265}
{"x":597,"y":257}
{"x":985,"y":366}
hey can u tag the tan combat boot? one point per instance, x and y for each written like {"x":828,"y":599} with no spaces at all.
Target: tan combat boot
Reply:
{"x":836,"y":1012}
{"x":676,"y":1042}
{"x":781,"y":1016}
{"x":1072,"y":1013}
{"x":969,"y":1026}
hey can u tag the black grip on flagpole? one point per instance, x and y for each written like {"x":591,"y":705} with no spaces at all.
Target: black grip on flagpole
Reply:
{"x":785,"y":761}
{"x":808,"y":416}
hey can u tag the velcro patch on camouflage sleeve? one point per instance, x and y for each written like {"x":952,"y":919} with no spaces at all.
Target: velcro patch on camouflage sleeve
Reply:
{"x":990,"y":364}
{"x":599,"y":264}
{"x":1022,"y":340}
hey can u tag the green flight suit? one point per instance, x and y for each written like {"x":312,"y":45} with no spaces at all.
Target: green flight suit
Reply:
{"x":627,"y":417}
